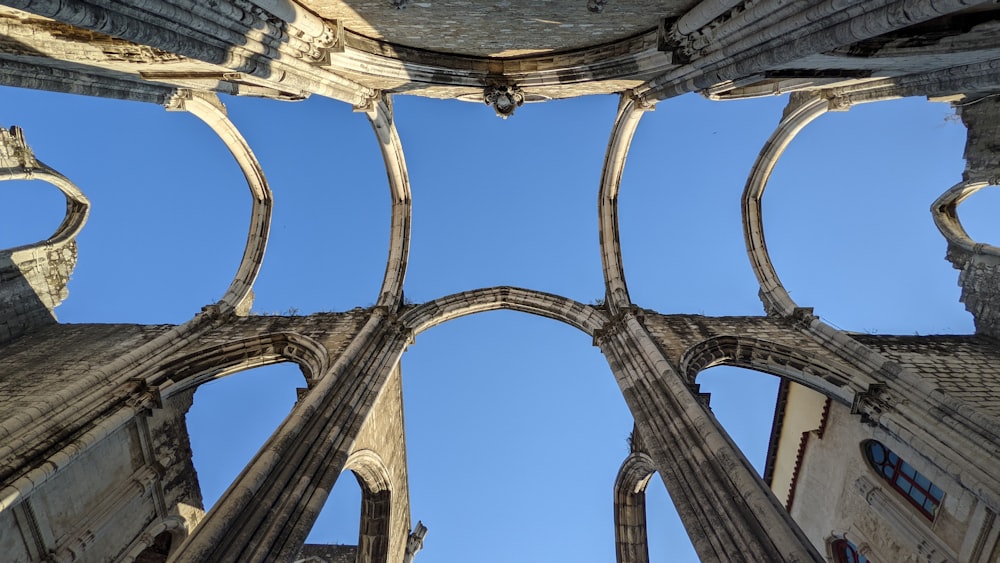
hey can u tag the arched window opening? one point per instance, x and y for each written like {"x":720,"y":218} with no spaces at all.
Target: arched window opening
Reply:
{"x":337,"y":529}
{"x":846,"y":552}
{"x":158,"y":551}
{"x":40,"y":209}
{"x":743,"y":400}
{"x":231,"y":418}
{"x":910,"y":483}
{"x":533,"y":431}
{"x":668,"y":542}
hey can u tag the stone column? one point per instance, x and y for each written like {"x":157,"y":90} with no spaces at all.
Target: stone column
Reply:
{"x":266,"y":514}
{"x":728,"y":511}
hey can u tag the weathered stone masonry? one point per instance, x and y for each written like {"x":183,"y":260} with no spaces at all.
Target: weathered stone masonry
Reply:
{"x":94,"y":458}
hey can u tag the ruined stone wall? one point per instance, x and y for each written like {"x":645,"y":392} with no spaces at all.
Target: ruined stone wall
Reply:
{"x":171,"y":448}
{"x":980,"y":271}
{"x":96,"y":507}
{"x":39,"y":364}
{"x":384,"y":433}
{"x":678,"y":333}
{"x":32,"y":283}
{"x":964,"y":367}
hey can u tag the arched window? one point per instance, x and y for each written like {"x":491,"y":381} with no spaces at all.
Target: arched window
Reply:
{"x":846,"y":552}
{"x":916,"y":488}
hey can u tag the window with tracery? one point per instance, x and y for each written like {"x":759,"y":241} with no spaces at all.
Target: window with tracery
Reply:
{"x":846,"y":552}
{"x":914,"y":487}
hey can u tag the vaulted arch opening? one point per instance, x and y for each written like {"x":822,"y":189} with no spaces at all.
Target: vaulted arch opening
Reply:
{"x":978,"y":215}
{"x":331,"y":220}
{"x":494,"y":204}
{"x":847,"y":222}
{"x":531,"y":437}
{"x":338,"y":522}
{"x":41,"y":208}
{"x":170,"y":208}
{"x":231,"y":418}
{"x":679,"y":205}
{"x":743,"y":401}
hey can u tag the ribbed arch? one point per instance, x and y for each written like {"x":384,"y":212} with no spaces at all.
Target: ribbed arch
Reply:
{"x":626,"y":121}
{"x":631,"y":539}
{"x":26,"y":167}
{"x":945,"y":213}
{"x":766,"y":357}
{"x":376,"y":505}
{"x":772,"y":292}
{"x":207,"y":108}
{"x":430,"y":314}
{"x":215,"y":362}
{"x":382,"y":122}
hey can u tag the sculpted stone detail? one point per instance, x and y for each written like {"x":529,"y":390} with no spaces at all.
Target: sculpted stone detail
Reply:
{"x":873,"y":403}
{"x":415,"y":542}
{"x":596,"y":6}
{"x":504,"y":99}
{"x":14,"y":150}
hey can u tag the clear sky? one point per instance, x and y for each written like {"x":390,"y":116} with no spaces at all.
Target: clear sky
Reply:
{"x":515,"y":426}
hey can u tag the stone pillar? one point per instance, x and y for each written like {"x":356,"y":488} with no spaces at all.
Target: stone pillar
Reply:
{"x":728,"y":511}
{"x":267,"y":513}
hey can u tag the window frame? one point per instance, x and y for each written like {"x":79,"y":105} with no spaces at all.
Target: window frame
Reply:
{"x":843,"y":551}
{"x":904,"y":479}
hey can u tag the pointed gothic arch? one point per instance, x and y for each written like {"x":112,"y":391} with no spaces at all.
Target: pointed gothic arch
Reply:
{"x":767,"y":357}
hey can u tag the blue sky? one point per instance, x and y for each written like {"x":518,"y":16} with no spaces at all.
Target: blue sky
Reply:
{"x":515,"y":427}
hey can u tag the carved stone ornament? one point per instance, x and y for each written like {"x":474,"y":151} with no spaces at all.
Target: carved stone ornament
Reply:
{"x":596,"y":6}
{"x":871,"y":404}
{"x":504,"y":99}
{"x":14,"y":150}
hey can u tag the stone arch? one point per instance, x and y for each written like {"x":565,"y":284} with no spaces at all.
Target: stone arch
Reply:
{"x":36,"y":274}
{"x":376,"y":505}
{"x":799,"y":113}
{"x":209,"y":109}
{"x":430,"y":314}
{"x":767,"y":357}
{"x":631,"y":540}
{"x":776,"y":299}
{"x":945,"y":213}
{"x":627,"y":119}
{"x":208,"y":364}
{"x":381,"y":118}
{"x":19,"y":163}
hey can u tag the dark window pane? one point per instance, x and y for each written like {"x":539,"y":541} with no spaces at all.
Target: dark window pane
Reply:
{"x":876,"y":452}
